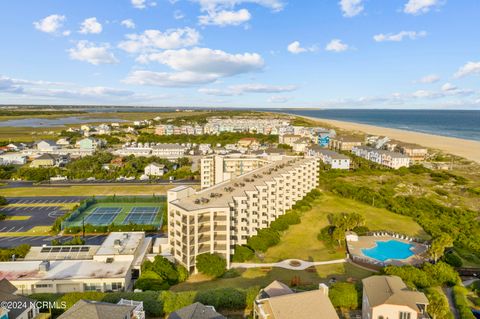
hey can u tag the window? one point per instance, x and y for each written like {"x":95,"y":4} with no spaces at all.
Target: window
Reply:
{"x":43,"y":286}
{"x":92,"y":287}
{"x":404,"y":315}
{"x":116,"y":286}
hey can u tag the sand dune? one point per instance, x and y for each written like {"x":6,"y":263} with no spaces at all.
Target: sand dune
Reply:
{"x":456,"y":146}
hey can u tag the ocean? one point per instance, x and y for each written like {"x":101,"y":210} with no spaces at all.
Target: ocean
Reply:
{"x":461,"y":124}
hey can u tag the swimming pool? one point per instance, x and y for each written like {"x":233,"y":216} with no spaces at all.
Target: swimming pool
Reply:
{"x":392,"y":249}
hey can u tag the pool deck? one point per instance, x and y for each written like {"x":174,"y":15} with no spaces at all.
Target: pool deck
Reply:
{"x":365,"y":242}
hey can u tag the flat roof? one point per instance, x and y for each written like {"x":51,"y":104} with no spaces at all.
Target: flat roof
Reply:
{"x":129,"y":242}
{"x":63,"y":269}
{"x":219,"y":196}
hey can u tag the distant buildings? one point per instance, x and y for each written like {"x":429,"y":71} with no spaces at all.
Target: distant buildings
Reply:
{"x":389,"y":297}
{"x":50,"y":160}
{"x":345,"y":143}
{"x":278,"y":301}
{"x":386,"y":158}
{"x":334,"y":159}
{"x":13,"y":159}
{"x":218,"y":169}
{"x":170,"y":151}
{"x":47,"y":146}
{"x":90,"y":143}
{"x":218,"y":218}
{"x":54,"y":269}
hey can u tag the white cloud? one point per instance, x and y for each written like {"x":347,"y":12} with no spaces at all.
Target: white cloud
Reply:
{"x":420,"y":6}
{"x":225,"y":17}
{"x":336,"y":45}
{"x":241,"y":89}
{"x":142,"y":4}
{"x":178,"y":15}
{"x":279,"y":99}
{"x":469,"y":68}
{"x":128,"y":23}
{"x":215,"y":5}
{"x":168,"y":79}
{"x":195,"y":66}
{"x":93,"y":54}
{"x":90,"y":25}
{"x":351,"y":8}
{"x":431,"y":78}
{"x":50,"y":24}
{"x":295,"y":48}
{"x":397,"y":37}
{"x":154,"y":39}
{"x":449,"y":87}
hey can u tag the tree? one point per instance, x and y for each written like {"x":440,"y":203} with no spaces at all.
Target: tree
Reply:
{"x":438,"y":246}
{"x":149,"y":280}
{"x":338,"y":234}
{"x":242,"y":253}
{"x":438,"y":306}
{"x":3,"y":201}
{"x":211,"y":264}
{"x":344,"y":295}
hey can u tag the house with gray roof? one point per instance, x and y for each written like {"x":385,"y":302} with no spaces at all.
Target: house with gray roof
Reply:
{"x":196,"y":311}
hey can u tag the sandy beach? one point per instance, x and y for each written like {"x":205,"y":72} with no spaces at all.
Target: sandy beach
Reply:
{"x":456,"y":146}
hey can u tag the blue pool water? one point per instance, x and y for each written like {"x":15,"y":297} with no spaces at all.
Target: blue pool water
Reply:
{"x":392,"y":249}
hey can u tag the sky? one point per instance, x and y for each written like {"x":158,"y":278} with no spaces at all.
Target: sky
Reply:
{"x":242,"y":53}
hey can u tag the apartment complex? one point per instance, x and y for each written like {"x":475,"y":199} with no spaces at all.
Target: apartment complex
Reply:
{"x":278,"y":301}
{"x":170,"y":151}
{"x":216,"y":219}
{"x":218,"y":169}
{"x":61,"y":269}
{"x":334,"y":159}
{"x":389,"y":297}
{"x":386,"y":158}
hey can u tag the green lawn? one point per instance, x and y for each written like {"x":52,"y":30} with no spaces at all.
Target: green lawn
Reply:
{"x":300,"y":241}
{"x":264,"y":276}
{"x":87,"y":190}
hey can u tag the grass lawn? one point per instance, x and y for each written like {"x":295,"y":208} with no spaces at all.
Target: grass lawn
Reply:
{"x":35,"y":231}
{"x":300,"y":241}
{"x":88,"y":190}
{"x":264,"y":276}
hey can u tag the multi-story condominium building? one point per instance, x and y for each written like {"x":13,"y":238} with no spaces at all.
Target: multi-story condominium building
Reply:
{"x":278,"y":301}
{"x":387,"y":158}
{"x":288,"y":139}
{"x":170,"y":151}
{"x":216,"y":219}
{"x":217,"y":169}
{"x":334,"y":159}
{"x":55,"y":269}
{"x":389,"y":297}
{"x":345,"y":143}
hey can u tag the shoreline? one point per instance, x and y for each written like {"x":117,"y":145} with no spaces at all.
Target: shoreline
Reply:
{"x":468,"y":149}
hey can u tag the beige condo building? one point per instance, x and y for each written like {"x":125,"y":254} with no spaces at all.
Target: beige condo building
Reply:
{"x":216,"y":219}
{"x":217,"y":169}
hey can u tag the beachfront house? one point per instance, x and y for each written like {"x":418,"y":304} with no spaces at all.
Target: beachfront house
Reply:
{"x":345,"y":143}
{"x":388,"y":297}
{"x":334,"y":159}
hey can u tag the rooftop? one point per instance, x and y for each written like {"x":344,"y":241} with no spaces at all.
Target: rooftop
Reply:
{"x":121,"y":243}
{"x":393,"y":291}
{"x":222,"y":194}
{"x":97,"y":310}
{"x":327,"y":152}
{"x":196,"y":311}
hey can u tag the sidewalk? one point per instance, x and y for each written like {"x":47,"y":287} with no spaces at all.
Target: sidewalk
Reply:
{"x":286,"y":264}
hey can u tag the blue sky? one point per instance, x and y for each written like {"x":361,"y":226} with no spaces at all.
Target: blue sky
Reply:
{"x":242,"y":53}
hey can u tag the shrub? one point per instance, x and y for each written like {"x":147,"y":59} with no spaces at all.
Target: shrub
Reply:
{"x":224,"y":298}
{"x":242,"y":253}
{"x":150,"y":280}
{"x":438,"y":304}
{"x":344,"y":295}
{"x":461,"y":303}
{"x":173,"y":301}
{"x":264,"y":239}
{"x":452,"y":259}
{"x":283,"y":222}
{"x":211,"y":264}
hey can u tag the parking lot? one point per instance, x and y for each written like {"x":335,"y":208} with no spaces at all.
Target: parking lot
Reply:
{"x":45,"y":199}
{"x":37,"y":216}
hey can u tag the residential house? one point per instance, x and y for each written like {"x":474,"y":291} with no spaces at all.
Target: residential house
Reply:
{"x":389,"y":297}
{"x":13,"y":159}
{"x":196,"y":311}
{"x":171,"y":151}
{"x":248,"y":142}
{"x":416,"y":152}
{"x":155,"y":169}
{"x":65,"y":141}
{"x":278,"y":301}
{"x":300,"y":145}
{"x":86,"y":309}
{"x":50,"y":160}
{"x":334,"y":159}
{"x":345,"y":143}
{"x":90,"y":143}
{"x":21,"y":307}
{"x":387,"y":158}
{"x":47,"y":146}
{"x":288,"y":139}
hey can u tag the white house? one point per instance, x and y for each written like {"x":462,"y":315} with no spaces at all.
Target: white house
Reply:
{"x":47,"y":146}
{"x":15,"y":306}
{"x":334,"y":159}
{"x":13,"y":159}
{"x":155,"y":169}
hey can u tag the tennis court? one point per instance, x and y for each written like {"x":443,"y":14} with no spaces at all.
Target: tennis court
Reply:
{"x":141,"y":215}
{"x":103,"y":215}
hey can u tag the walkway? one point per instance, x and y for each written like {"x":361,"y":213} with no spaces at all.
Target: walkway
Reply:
{"x":287,"y":264}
